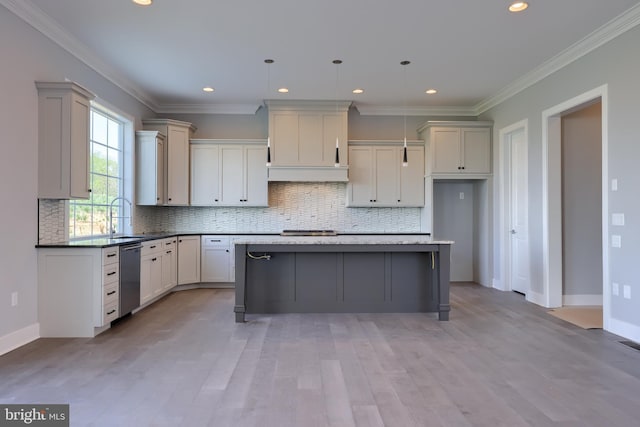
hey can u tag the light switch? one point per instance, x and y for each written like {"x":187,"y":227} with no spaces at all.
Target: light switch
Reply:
{"x":616,"y":241}
{"x":626,"y":291}
{"x":614,"y":185}
{"x":615,"y":289}
{"x":461,"y":195}
{"x":617,"y":219}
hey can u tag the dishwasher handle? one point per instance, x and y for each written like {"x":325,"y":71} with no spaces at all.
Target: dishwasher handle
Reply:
{"x":130,"y":248}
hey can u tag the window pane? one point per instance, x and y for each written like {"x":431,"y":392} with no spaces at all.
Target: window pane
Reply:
{"x":99,"y":189}
{"x":99,"y":128}
{"x":99,"y":159}
{"x":114,"y":134}
{"x":100,"y":220}
{"x":113,"y":189}
{"x":113,"y":165}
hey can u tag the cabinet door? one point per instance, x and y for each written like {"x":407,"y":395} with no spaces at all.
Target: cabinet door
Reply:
{"x":146,"y":278}
{"x":80,"y":110}
{"x":232,"y":176}
{"x":284,"y":134}
{"x":149,"y":168}
{"x":215,"y":264}
{"x":177,"y":165}
{"x":476,"y":146}
{"x":360,"y":187}
{"x":386,"y":176}
{"x":411,"y":188}
{"x":205,"y":175}
{"x":188,"y":259}
{"x":168,"y":270}
{"x":256,"y":176}
{"x":310,"y":140}
{"x":446,"y":150}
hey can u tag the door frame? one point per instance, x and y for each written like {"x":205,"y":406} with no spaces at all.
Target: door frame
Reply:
{"x":552,"y":198}
{"x":505,"y":199}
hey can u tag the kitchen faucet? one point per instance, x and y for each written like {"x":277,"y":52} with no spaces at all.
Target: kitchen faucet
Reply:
{"x":111,"y":230}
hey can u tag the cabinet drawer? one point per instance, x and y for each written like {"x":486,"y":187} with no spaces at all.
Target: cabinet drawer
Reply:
{"x":153,"y":247}
{"x":209,"y":241}
{"x":110,"y":295}
{"x":110,"y":255}
{"x":110,"y":313}
{"x":110,"y":274}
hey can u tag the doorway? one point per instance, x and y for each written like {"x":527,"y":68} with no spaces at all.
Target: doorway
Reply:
{"x":552,"y":199}
{"x":514,"y":225}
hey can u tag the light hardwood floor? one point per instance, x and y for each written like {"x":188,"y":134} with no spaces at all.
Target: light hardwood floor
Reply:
{"x":499,"y":361}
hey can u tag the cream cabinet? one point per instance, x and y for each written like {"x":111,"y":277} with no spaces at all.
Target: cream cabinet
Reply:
{"x":303,"y":140}
{"x":169,"y":264}
{"x":150,"y":270}
{"x":78,"y":290}
{"x":378,"y":179}
{"x":176,"y":161}
{"x":63,"y":140}
{"x":458,"y":148}
{"x":216,"y":261}
{"x":188,"y":260}
{"x":229,"y":173}
{"x":150,"y":149}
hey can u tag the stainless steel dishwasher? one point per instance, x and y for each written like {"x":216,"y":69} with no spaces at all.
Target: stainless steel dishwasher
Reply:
{"x":129,"y":278}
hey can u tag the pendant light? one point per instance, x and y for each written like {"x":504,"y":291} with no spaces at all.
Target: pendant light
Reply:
{"x":405,"y":161}
{"x":337,"y":62}
{"x":268,"y":62}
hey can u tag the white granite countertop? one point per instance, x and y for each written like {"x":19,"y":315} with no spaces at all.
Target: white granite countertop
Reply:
{"x":376,"y":239}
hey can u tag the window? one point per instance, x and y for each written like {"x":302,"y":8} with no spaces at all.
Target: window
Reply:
{"x":106,"y":174}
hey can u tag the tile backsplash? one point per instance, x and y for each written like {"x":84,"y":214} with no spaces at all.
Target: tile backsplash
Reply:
{"x":291,"y":206}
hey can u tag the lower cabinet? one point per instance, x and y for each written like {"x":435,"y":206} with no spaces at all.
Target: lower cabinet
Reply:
{"x":188,"y":260}
{"x":216,"y":259}
{"x":78,"y":290}
{"x":158,"y":268}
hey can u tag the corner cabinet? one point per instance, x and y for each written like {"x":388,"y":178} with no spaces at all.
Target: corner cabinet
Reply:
{"x":150,"y":148}
{"x":458,"y":149}
{"x":303,"y":140}
{"x":378,"y":179}
{"x":176,"y":158}
{"x":63,"y":140}
{"x":228,"y":172}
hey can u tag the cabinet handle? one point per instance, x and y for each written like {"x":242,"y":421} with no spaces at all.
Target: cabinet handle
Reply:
{"x":215,"y":200}
{"x":169,"y":198}
{"x":152,"y":247}
{"x":168,"y":252}
{"x":180,"y":240}
{"x":111,"y":255}
{"x":398,"y":200}
{"x":212,"y":241}
{"x":227,"y":250}
{"x":111,"y":293}
{"x":154,"y":259}
{"x":157,"y":198}
{"x":89,"y":190}
{"x":109,"y":313}
{"x":111,"y":274}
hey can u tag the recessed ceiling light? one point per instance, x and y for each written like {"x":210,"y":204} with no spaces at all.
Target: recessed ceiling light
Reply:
{"x":431,"y":91}
{"x":518,"y":6}
{"x":208,"y":89}
{"x":283,"y":90}
{"x":358,"y":91}
{"x":143,"y":2}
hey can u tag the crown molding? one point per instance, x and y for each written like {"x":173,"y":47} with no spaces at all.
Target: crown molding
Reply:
{"x":602,"y":35}
{"x":40,"y":21}
{"x":208,"y":108}
{"x":372,"y":110}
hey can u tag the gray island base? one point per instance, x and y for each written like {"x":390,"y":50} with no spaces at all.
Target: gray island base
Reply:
{"x":342,"y":274}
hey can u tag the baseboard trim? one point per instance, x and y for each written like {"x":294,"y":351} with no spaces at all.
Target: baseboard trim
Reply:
{"x":623,"y":329}
{"x":497,"y":285}
{"x":536,"y":298}
{"x":19,"y":338}
{"x":585,"y":299}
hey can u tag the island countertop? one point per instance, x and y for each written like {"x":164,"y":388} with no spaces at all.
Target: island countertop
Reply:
{"x":361,"y":239}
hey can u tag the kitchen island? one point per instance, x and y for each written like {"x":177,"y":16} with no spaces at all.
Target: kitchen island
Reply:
{"x":342,"y":274}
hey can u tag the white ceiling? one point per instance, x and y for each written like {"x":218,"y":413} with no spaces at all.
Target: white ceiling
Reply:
{"x":470,"y":50}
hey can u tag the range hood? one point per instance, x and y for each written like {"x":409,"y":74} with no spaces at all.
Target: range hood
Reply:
{"x":308,"y":174}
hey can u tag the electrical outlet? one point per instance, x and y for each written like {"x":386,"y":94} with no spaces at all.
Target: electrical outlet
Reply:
{"x":615,"y":289}
{"x":14,"y":299}
{"x":626,"y":291}
{"x":614,"y":185}
{"x":616,"y":241}
{"x":461,"y":195}
{"x":617,"y":219}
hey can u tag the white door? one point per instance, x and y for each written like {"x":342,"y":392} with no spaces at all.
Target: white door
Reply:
{"x":519,"y":217}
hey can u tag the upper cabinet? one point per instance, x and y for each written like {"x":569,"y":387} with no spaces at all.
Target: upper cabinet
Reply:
{"x":150,"y":147}
{"x":176,"y":171}
{"x":458,"y":149}
{"x":63,"y":146}
{"x":377,"y":177}
{"x":228,"y":172}
{"x":303,"y":140}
